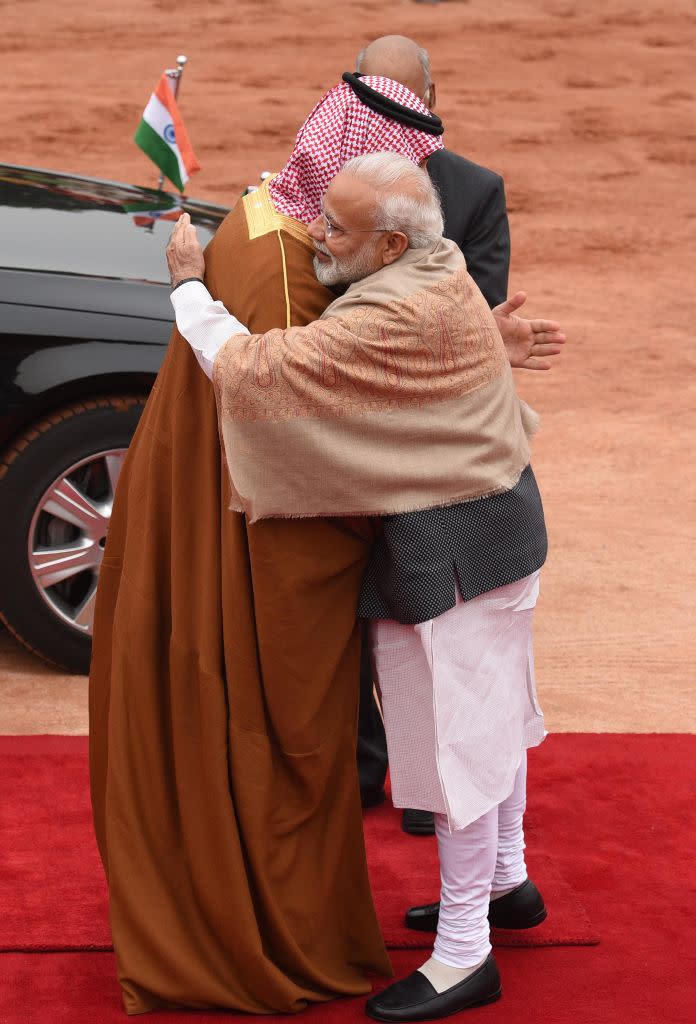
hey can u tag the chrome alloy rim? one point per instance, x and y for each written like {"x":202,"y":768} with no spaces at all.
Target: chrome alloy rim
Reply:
{"x":68,"y":534}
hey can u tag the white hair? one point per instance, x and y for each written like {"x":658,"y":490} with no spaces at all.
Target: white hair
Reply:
{"x":416,"y":210}
{"x":421,"y":53}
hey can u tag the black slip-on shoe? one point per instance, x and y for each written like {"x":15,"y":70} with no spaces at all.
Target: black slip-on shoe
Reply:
{"x":423,"y":918}
{"x":414,"y":998}
{"x":418,"y":823}
{"x":521,"y":908}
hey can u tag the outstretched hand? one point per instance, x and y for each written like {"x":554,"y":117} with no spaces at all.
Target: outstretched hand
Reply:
{"x":184,"y":253}
{"x":529,"y":343}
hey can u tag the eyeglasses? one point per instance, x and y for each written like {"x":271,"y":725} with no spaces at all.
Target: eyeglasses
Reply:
{"x":332,"y":230}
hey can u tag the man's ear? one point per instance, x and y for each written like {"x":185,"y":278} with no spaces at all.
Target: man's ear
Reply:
{"x":396,"y":244}
{"x":432,"y":99}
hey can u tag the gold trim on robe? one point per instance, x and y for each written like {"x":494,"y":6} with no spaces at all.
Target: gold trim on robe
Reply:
{"x":262,"y":218}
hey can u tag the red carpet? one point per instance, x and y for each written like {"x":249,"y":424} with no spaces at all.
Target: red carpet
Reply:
{"x":54,"y":897}
{"x":622,"y":815}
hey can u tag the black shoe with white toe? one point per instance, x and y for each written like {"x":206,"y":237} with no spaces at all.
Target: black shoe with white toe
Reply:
{"x":415,"y":999}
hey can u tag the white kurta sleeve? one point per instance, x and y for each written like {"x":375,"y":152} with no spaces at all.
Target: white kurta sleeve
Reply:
{"x":206,"y":325}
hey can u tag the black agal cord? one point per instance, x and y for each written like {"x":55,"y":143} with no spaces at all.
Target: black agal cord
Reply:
{"x":428,"y":123}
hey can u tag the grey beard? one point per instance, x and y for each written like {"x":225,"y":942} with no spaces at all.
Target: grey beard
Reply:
{"x":345,"y":271}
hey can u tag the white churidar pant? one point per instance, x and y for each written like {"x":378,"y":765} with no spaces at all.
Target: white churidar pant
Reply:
{"x":459,"y":701}
{"x":488,"y":853}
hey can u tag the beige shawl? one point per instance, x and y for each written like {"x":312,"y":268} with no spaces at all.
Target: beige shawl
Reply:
{"x":400,"y":398}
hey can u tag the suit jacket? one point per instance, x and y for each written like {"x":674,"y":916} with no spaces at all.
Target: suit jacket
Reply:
{"x":473,"y":203}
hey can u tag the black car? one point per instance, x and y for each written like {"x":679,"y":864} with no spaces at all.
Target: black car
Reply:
{"x":85,"y":318}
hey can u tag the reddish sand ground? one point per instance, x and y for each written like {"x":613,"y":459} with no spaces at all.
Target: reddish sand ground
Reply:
{"x":588,"y":112}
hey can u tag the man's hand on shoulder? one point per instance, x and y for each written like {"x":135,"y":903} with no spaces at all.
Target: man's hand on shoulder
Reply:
{"x":184,"y":253}
{"x":529,"y":343}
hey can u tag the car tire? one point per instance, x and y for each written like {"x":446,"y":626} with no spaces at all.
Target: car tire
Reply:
{"x":51,"y":478}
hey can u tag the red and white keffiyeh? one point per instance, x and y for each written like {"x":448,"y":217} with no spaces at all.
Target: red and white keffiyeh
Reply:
{"x":339,"y":128}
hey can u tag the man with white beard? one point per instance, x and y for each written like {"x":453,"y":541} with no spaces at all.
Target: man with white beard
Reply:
{"x":400,"y":401}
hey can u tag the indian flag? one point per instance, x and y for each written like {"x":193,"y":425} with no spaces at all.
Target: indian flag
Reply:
{"x":162,"y":136}
{"x":145,"y":214}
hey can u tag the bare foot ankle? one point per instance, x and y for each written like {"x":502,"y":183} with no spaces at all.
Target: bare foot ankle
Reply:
{"x":442,"y":976}
{"x":497,"y":893}
{"x":501,"y":892}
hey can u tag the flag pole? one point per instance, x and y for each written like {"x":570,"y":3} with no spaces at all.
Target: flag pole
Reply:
{"x":175,"y":74}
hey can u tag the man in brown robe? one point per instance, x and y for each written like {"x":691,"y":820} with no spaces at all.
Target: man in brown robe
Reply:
{"x":224,"y":682}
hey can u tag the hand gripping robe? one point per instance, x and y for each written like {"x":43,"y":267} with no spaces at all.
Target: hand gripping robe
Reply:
{"x":224,"y":679}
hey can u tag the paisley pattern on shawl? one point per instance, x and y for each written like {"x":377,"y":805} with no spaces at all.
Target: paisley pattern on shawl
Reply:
{"x":400,"y":398}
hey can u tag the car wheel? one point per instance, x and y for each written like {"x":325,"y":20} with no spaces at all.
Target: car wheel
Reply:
{"x":57,"y":484}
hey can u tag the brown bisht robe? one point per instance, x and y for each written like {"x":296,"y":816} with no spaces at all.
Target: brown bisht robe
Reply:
{"x":224,"y":697}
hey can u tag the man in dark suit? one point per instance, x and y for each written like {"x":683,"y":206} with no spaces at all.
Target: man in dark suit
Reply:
{"x":473,"y":197}
{"x":475,"y":215}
